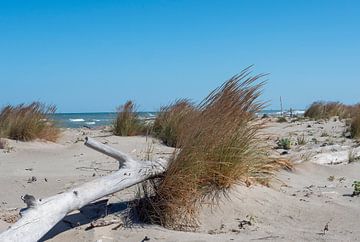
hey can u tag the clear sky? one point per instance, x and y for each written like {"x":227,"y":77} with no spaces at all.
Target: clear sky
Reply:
{"x":88,"y":55}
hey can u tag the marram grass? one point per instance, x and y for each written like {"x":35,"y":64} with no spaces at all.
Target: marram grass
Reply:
{"x":220,"y":147}
{"x":171,"y":120}
{"x":355,"y":126}
{"x":326,"y":110}
{"x":28,"y":122}
{"x":127,"y":122}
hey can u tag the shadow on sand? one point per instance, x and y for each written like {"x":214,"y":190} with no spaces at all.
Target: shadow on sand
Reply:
{"x":86,"y":215}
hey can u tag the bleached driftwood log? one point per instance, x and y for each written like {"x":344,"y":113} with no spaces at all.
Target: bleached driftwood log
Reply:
{"x":42,"y":214}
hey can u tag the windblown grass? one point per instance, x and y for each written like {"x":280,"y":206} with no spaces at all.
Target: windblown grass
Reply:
{"x":355,"y":126}
{"x":220,"y":147}
{"x":127,"y":122}
{"x":28,"y":122}
{"x":326,"y":110}
{"x":354,"y":110}
{"x":171,"y":120}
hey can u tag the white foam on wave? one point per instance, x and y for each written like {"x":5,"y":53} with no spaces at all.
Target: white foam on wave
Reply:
{"x":299,"y":112}
{"x":76,"y":119}
{"x":90,"y":123}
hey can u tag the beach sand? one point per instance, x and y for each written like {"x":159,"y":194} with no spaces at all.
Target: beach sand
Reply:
{"x":298,"y":205}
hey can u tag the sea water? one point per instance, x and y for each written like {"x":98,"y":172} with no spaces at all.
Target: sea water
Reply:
{"x":78,"y":120}
{"x":92,"y":120}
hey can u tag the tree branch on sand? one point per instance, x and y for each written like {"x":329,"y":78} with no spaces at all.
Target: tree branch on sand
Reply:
{"x":42,"y":214}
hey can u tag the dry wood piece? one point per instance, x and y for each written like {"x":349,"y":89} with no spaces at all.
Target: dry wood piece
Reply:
{"x":42,"y":214}
{"x":103,"y":223}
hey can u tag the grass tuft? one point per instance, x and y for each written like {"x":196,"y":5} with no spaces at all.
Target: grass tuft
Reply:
{"x":281,"y":119}
{"x":301,"y":139}
{"x":28,"y":122}
{"x":284,"y":143}
{"x":355,"y":126}
{"x":352,"y":156}
{"x":170,"y":121}
{"x":220,"y":147}
{"x":127,"y":122}
{"x":326,"y":110}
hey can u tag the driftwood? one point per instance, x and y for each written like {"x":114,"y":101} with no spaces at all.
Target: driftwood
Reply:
{"x":42,"y":214}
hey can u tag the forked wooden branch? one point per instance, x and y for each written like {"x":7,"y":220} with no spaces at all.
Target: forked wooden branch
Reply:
{"x":43,"y":214}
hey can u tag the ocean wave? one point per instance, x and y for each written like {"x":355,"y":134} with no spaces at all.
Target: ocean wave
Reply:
{"x":90,"y":123}
{"x":76,"y":119}
{"x":298,"y":112}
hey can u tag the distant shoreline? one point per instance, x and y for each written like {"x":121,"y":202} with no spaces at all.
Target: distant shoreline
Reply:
{"x":101,"y":119}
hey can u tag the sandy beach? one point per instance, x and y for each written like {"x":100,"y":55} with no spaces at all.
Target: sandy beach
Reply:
{"x":179,"y":121}
{"x":311,"y":203}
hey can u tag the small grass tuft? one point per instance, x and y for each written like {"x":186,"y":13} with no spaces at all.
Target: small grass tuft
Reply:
{"x":301,"y":140}
{"x":352,"y":156}
{"x":281,"y":120}
{"x":127,"y":122}
{"x":331,"y":178}
{"x":284,"y":143}
{"x":356,"y":185}
{"x":28,"y":122}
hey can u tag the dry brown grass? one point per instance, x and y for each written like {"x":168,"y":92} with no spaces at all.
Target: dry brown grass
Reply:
{"x":326,"y":110}
{"x":28,"y":122}
{"x":354,"y":110}
{"x":171,"y":120}
{"x":355,"y":126}
{"x":127,"y":122}
{"x":220,"y":147}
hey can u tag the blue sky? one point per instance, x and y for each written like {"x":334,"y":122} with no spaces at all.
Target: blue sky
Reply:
{"x":89,"y":56}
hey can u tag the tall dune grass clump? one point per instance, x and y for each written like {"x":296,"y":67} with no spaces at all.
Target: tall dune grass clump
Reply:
{"x":127,"y":122}
{"x":355,"y":126}
{"x":354,"y":110}
{"x":326,"y":110}
{"x":220,"y":147}
{"x":171,"y":120}
{"x":28,"y":122}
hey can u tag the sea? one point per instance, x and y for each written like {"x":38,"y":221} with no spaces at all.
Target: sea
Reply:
{"x":99,"y":119}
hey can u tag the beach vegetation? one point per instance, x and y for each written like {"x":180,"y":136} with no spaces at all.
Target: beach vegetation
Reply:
{"x":28,"y":122}
{"x":355,"y":126}
{"x":352,"y":156}
{"x":356,"y":185}
{"x":301,"y":140}
{"x":171,"y":120}
{"x":127,"y":122}
{"x":331,"y":178}
{"x":306,"y":156}
{"x":284,"y":143}
{"x":281,"y":119}
{"x":220,"y":147}
{"x":326,"y":110}
{"x":324,"y":134}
